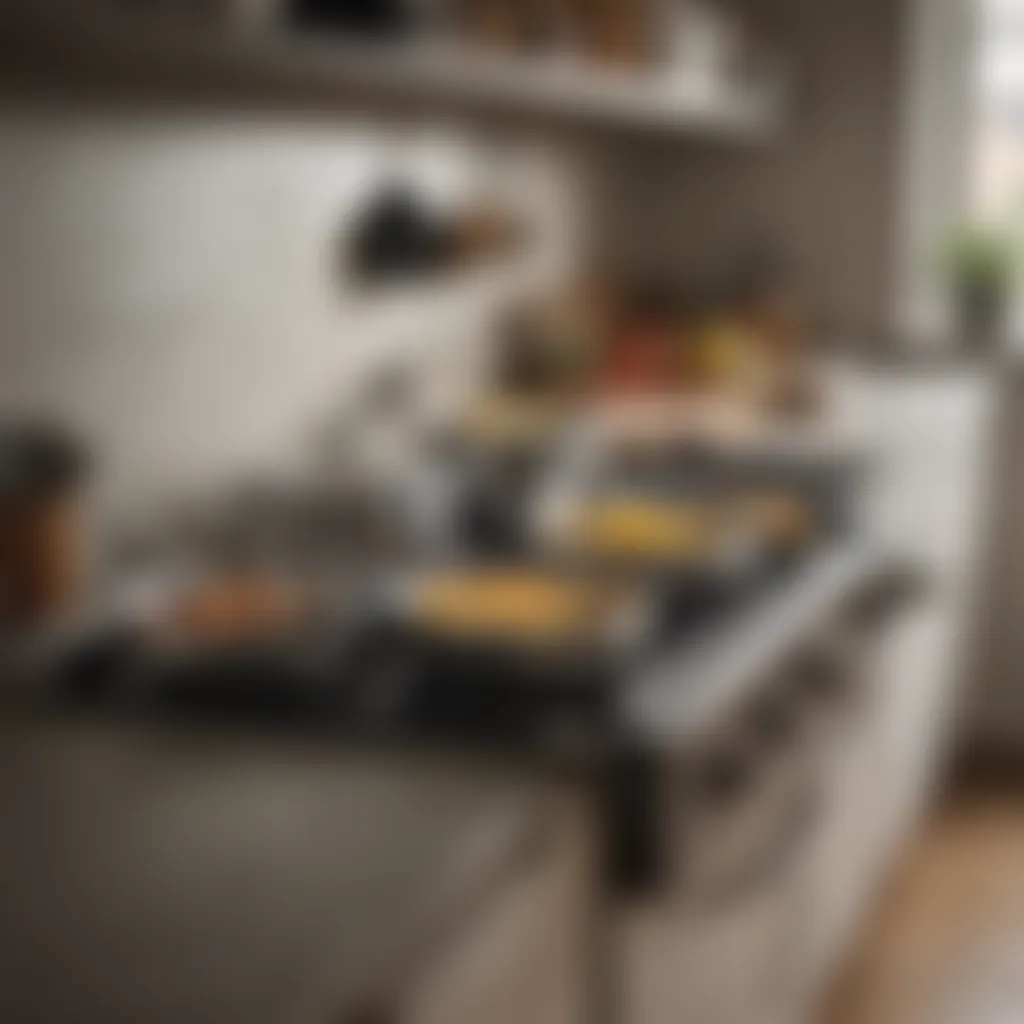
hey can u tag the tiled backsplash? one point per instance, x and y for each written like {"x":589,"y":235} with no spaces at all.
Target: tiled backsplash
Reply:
{"x":169,"y":285}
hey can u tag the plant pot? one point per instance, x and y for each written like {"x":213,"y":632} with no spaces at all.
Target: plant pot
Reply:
{"x":981,"y":315}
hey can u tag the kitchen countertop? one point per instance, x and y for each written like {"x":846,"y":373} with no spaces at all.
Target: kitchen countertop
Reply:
{"x":148,"y":873}
{"x":172,"y":873}
{"x":690,"y":692}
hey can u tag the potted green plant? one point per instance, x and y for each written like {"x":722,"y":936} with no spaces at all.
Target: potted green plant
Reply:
{"x":981,"y":265}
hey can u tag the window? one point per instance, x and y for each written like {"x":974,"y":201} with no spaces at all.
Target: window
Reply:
{"x":997,"y":186}
{"x":964,"y":137}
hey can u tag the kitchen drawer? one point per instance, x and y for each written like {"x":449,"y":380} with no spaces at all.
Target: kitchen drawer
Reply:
{"x":726,"y":947}
{"x":748,"y":953}
{"x":878,"y":776}
{"x":730,"y":964}
{"x":523,"y":957}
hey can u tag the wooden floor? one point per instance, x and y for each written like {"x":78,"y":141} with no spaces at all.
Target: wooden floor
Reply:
{"x":947,"y":944}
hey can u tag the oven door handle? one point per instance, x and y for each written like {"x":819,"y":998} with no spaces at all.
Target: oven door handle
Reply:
{"x":902,"y":586}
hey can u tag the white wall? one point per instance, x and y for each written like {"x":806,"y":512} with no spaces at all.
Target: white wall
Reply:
{"x":167,"y":283}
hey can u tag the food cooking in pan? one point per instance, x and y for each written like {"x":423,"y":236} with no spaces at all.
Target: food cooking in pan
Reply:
{"x":628,"y":527}
{"x":504,"y":420}
{"x":784,"y":521}
{"x":237,"y":608}
{"x":513,"y":604}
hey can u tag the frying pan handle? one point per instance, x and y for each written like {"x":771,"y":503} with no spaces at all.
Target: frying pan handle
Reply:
{"x":381,"y":681}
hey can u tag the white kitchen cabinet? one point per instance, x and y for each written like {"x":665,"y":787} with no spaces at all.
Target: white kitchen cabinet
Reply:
{"x":524,"y":956}
{"x":930,"y":439}
{"x":996,"y":710}
{"x":769,"y":957}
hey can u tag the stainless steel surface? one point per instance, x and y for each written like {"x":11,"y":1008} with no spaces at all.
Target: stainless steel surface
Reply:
{"x":148,"y":874}
{"x":692,"y":692}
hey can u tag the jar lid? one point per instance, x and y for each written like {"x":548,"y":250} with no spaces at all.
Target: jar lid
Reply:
{"x":39,"y":458}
